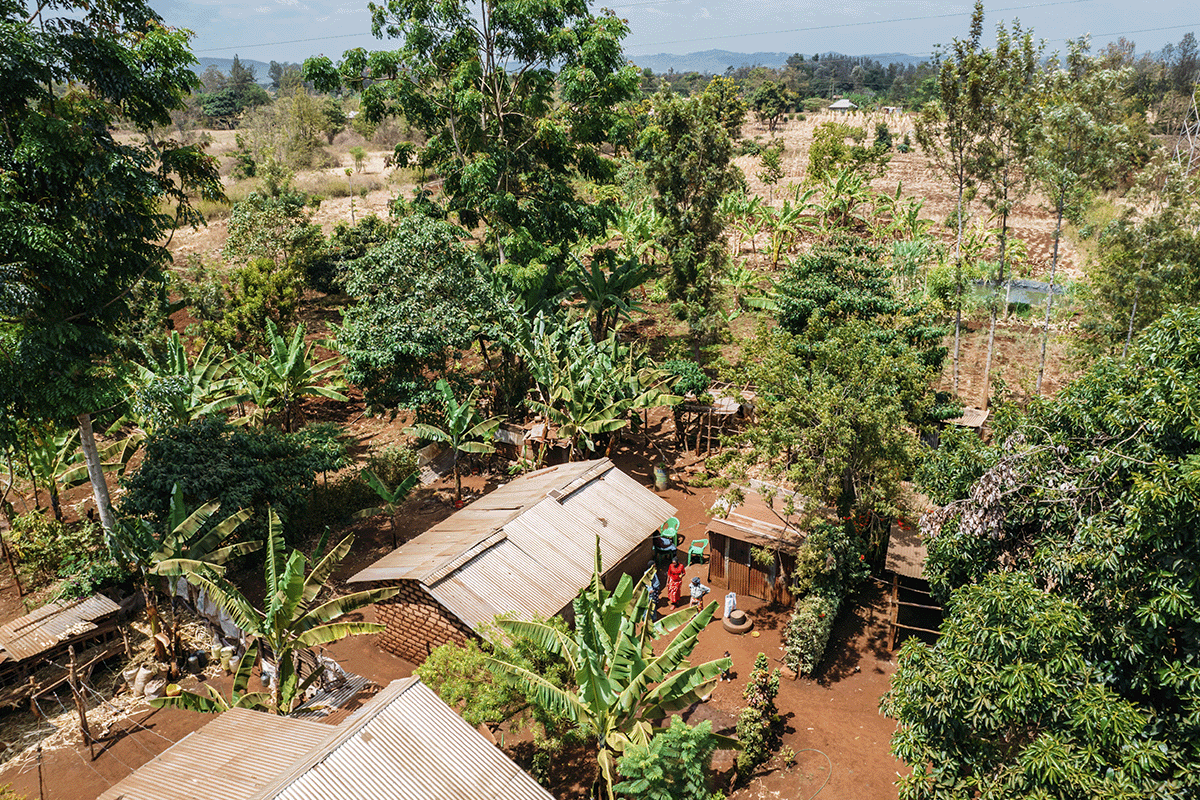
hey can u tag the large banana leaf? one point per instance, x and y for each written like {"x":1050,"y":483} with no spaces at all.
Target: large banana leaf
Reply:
{"x":340,"y":606}
{"x":544,"y":693}
{"x":325,"y":567}
{"x":336,"y":631}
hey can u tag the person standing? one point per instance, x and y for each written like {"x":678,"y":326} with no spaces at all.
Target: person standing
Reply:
{"x":655,"y":589}
{"x":698,"y":591}
{"x":675,"y":582}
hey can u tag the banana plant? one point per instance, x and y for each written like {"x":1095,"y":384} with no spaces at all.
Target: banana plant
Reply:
{"x":278,"y":381}
{"x":185,"y":543}
{"x":178,"y":390}
{"x":463,"y":429}
{"x":53,"y":460}
{"x":842,"y":198}
{"x":392,"y":499}
{"x":638,"y":227}
{"x":605,"y":294}
{"x":292,"y":621}
{"x":787,"y":222}
{"x":624,"y":683}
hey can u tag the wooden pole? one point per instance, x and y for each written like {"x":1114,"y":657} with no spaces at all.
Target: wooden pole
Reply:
{"x":73,"y":679}
{"x":33,"y":706}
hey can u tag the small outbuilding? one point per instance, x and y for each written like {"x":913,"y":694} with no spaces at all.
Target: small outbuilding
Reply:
{"x":913,"y":611}
{"x":842,"y":106}
{"x":751,"y":524}
{"x":405,"y":744}
{"x":526,"y":548}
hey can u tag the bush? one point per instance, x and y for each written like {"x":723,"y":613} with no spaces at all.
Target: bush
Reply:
{"x":807,"y":633}
{"x":674,"y":766}
{"x":692,"y":379}
{"x":758,"y":723}
{"x":392,"y":464}
{"x":43,"y":545}
{"x":332,"y":505}
{"x":210,"y":460}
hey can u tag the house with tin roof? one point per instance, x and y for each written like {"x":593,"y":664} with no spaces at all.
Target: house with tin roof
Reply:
{"x":404,"y":744}
{"x":526,"y":548}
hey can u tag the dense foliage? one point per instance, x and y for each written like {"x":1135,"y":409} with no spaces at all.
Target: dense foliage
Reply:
{"x":1079,"y":533}
{"x":673,"y":766}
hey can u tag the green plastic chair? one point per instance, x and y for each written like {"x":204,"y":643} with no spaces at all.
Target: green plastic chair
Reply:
{"x":697,"y":549}
{"x":671,"y":524}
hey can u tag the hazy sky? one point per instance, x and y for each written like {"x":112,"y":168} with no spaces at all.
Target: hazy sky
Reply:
{"x":290,"y":30}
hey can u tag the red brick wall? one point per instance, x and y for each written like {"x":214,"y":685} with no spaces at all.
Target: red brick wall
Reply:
{"x":417,"y":623}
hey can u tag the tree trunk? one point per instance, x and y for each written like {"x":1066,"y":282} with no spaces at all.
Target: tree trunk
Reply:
{"x":95,"y":472}
{"x":1132,"y":313}
{"x":1000,"y":273}
{"x":457,"y":483}
{"x":1050,"y":291}
{"x":958,"y":286}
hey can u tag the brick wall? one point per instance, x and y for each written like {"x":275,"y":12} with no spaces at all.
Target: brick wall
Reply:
{"x":416,"y":623}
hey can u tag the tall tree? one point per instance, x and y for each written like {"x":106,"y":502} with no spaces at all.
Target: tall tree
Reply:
{"x":1003,"y":166}
{"x":1077,"y":144}
{"x":516,"y":100}
{"x":81,"y":212}
{"x":689,"y":160}
{"x":950,"y":130}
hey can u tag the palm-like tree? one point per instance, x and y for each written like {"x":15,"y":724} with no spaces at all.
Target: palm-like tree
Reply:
{"x":292,"y":619}
{"x":179,"y":390}
{"x":184,"y":544}
{"x":392,"y":499}
{"x":605,"y":295}
{"x":622,"y":686}
{"x":285,"y":375}
{"x":463,"y":428}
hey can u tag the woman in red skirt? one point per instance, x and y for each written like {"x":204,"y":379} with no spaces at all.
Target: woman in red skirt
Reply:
{"x":674,"y":581}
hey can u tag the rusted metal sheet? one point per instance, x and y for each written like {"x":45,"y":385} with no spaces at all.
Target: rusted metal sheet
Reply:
{"x":406,"y":744}
{"x":906,"y":552}
{"x":43,"y":629}
{"x":529,"y":546}
{"x":230,"y":758}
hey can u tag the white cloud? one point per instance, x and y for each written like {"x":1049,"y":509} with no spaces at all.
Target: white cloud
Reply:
{"x":320,"y":19}
{"x":288,"y":2}
{"x":263,"y":9}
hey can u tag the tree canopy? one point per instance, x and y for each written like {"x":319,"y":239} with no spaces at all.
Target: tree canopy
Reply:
{"x":1079,"y":531}
{"x":516,"y":102}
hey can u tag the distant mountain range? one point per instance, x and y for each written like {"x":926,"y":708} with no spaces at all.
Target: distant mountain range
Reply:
{"x":715,"y":62}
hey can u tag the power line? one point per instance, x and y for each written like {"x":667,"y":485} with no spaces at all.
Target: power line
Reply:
{"x":290,"y":41}
{"x":871,"y":22}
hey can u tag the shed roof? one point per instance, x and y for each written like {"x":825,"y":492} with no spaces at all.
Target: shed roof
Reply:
{"x":230,"y":758}
{"x":843,"y":103}
{"x":971,"y":418}
{"x":43,"y":628}
{"x":405,"y":744}
{"x":528,"y":546}
{"x":906,"y":552}
{"x":760,"y":524}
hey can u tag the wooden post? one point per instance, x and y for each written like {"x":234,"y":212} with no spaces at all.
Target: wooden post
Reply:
{"x":73,"y":679}
{"x":33,"y":706}
{"x":895,"y":611}
{"x":125,"y":640}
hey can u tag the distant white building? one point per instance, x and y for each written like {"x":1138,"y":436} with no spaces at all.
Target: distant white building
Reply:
{"x":842,"y":106}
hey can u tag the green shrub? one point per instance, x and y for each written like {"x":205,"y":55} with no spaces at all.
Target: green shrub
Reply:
{"x":240,"y":468}
{"x":807,"y":633}
{"x":42,"y":544}
{"x":674,"y":766}
{"x":692,"y":379}
{"x":758,"y":725}
{"x":392,"y":464}
{"x":332,"y":505}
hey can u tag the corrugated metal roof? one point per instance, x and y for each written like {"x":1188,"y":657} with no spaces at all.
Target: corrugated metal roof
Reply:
{"x":754,"y":521}
{"x":971,"y":418}
{"x":39,"y":630}
{"x":230,"y":758}
{"x":406,"y":744}
{"x":529,"y":546}
{"x":906,"y":552}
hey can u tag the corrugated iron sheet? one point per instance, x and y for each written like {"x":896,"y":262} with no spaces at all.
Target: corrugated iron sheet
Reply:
{"x":40,"y":630}
{"x":468,"y":527}
{"x":406,"y":744}
{"x":906,"y":552}
{"x":542,"y":554}
{"x":230,"y":758}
